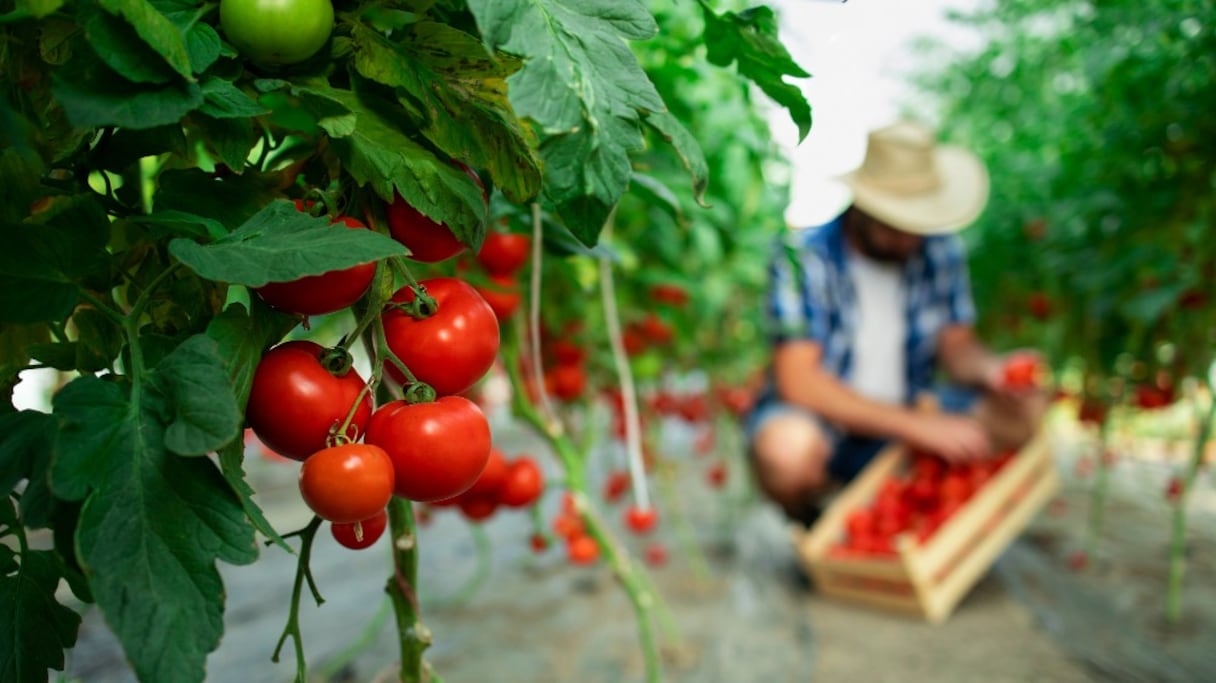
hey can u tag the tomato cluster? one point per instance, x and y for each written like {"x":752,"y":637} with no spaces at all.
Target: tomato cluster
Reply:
{"x":918,"y":502}
{"x":581,"y":548}
{"x":515,"y":483}
{"x":501,"y":257}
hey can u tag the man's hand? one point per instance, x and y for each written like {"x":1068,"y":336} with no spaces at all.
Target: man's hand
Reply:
{"x":956,"y":438}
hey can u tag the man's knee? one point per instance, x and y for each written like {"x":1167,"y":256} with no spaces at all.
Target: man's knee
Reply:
{"x":791,"y":453}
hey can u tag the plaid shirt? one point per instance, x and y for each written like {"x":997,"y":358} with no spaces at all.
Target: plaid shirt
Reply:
{"x":812,"y":297}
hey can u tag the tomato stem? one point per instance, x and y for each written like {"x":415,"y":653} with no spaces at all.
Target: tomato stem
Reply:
{"x":538,"y":372}
{"x":1177,"y":561}
{"x":292,"y":628}
{"x":413,"y":636}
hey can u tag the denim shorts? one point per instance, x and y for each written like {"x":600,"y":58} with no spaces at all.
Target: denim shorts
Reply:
{"x":850,"y":452}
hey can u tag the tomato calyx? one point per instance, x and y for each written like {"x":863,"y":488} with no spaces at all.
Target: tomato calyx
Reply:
{"x":337,"y":361}
{"x":420,"y":392}
{"x":422,"y":306}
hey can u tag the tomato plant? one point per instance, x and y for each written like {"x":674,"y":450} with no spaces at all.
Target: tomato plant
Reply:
{"x":361,"y":534}
{"x":296,"y":404}
{"x":347,"y":483}
{"x":438,"y":449}
{"x":273,"y":32}
{"x":320,"y":294}
{"x":452,"y":347}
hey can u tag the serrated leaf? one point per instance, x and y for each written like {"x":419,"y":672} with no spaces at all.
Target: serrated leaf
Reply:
{"x":230,"y":140}
{"x":656,"y":194}
{"x":193,"y":382}
{"x":120,"y":48}
{"x":328,"y":114}
{"x":584,"y":87}
{"x":231,"y":457}
{"x":380,"y":155}
{"x":93,"y":95}
{"x":231,"y":200}
{"x":281,"y":244}
{"x":749,"y":39}
{"x":15,"y":343}
{"x":243,"y":338}
{"x":25,"y":439}
{"x":55,"y":39}
{"x":35,"y":628}
{"x":461,"y":96}
{"x":154,"y":526}
{"x":155,"y":30}
{"x":202,"y":42}
{"x":19,"y":174}
{"x":687,"y":147}
{"x":223,"y":100}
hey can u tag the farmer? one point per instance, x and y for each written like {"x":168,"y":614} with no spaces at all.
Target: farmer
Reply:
{"x":866,"y":310}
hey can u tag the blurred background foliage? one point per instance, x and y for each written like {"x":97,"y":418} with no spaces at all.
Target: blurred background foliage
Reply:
{"x":1095,"y":120}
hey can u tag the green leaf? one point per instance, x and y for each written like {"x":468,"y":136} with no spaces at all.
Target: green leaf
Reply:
{"x":19,"y":188}
{"x":656,"y":194}
{"x":381,"y":155}
{"x":39,"y":8}
{"x":63,"y":242}
{"x":223,"y":100}
{"x":125,"y":147}
{"x":153,"y":527}
{"x":35,"y":628}
{"x":231,"y":458}
{"x":181,"y":224}
{"x":15,"y":343}
{"x":99,"y":339}
{"x":582,"y":85}
{"x":93,"y":95}
{"x":155,"y":30}
{"x":202,"y":42}
{"x":280,"y":244}
{"x":230,"y":140}
{"x":231,"y":200}
{"x":687,"y":147}
{"x":463,"y":92}
{"x":749,"y":39}
{"x":1148,"y":306}
{"x":193,"y":382}
{"x":243,"y":338}
{"x":121,"y":49}
{"x":26,"y":439}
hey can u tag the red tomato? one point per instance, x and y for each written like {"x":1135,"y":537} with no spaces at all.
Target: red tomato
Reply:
{"x":451,"y":349}
{"x":428,"y":241}
{"x":361,"y":534}
{"x":1020,"y":372}
{"x":1039,"y":305}
{"x":616,"y":485}
{"x":566,"y":352}
{"x":324,"y":293}
{"x":437,"y":449}
{"x":667,"y":293}
{"x":1174,"y":490}
{"x":655,"y":554}
{"x":633,"y":341}
{"x":502,"y":294}
{"x":716,"y":475}
{"x":655,"y":329}
{"x":539,"y":543}
{"x":492,"y":477}
{"x":955,"y":487}
{"x":295,"y":401}
{"x":860,"y":523}
{"x":503,"y":253}
{"x":567,"y":382}
{"x":524,"y":483}
{"x":582,"y":550}
{"x":1149,"y":397}
{"x":347,"y":483}
{"x":641,"y":521}
{"x":477,"y":508}
{"x":1092,"y":411}
{"x":568,"y":526}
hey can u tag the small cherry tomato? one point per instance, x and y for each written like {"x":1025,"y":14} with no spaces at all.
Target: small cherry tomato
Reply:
{"x":347,"y":483}
{"x":361,"y":534}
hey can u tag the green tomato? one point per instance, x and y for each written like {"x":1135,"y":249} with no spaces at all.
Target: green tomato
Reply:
{"x":277,"y":31}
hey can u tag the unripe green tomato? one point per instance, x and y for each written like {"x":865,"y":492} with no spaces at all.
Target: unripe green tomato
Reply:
{"x":648,"y":365}
{"x":277,"y":32}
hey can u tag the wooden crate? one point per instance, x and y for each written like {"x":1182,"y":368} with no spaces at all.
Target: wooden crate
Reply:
{"x":928,"y":580}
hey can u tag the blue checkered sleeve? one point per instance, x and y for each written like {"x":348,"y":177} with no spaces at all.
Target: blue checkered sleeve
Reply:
{"x":797,"y":299}
{"x":954,"y":281}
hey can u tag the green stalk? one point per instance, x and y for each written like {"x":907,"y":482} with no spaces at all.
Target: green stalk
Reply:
{"x":303,"y":572}
{"x":638,"y":587}
{"x":413,"y":636}
{"x":1177,"y":562}
{"x":1099,"y":492}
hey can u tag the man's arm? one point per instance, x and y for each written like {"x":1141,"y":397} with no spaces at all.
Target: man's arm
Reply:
{"x":965,"y":358}
{"x":801,"y":380}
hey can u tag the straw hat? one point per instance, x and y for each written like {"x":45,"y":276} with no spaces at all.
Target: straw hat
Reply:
{"x":913,"y":184}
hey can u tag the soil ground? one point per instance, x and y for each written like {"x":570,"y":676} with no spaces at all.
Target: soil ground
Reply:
{"x":738,"y":611}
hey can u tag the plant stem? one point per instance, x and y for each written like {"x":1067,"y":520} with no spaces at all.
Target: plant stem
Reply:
{"x":637,"y":584}
{"x":1177,"y":562}
{"x":292,"y":628}
{"x":1098,"y":494}
{"x":413,"y":637}
{"x":538,"y":373}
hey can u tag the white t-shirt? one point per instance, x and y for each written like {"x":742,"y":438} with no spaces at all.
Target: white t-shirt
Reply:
{"x":878,"y":349}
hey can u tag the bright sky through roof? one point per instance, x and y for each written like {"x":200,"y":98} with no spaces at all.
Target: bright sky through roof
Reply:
{"x":857,"y":53}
